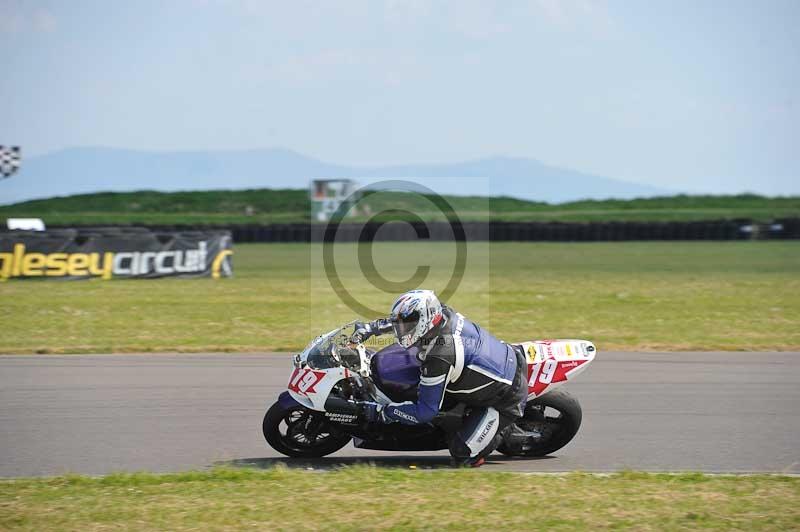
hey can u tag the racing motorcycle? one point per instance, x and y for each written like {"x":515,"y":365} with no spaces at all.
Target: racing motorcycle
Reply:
{"x":319,"y":413}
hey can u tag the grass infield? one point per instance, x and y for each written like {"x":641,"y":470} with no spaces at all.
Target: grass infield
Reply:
{"x":623,"y":296}
{"x":368,"y":498}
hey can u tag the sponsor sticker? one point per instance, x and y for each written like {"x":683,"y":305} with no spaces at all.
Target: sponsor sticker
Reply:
{"x":531,"y":352}
{"x":341,"y":418}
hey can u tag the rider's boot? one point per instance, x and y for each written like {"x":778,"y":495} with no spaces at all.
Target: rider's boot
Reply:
{"x":475,"y":461}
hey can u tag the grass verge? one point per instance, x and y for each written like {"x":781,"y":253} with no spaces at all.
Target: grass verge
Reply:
{"x":372,"y":498}
{"x":623,"y":296}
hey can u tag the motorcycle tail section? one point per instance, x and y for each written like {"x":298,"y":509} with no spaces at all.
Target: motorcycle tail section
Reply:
{"x":554,"y":362}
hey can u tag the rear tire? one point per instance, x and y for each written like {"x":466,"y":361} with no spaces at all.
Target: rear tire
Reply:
{"x":298,"y":432}
{"x":548,"y":433}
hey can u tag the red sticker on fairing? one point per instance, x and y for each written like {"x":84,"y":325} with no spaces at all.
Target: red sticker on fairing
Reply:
{"x":541,"y":375}
{"x":303,"y":381}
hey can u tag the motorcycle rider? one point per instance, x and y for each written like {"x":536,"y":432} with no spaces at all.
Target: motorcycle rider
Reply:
{"x":459,"y":360}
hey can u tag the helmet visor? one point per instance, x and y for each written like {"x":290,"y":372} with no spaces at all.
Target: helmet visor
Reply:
{"x":403,"y":326}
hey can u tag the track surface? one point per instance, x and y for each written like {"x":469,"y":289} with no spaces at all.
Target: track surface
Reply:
{"x":718,"y":412}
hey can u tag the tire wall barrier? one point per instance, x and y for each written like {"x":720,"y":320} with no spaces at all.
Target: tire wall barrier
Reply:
{"x":788,"y":228}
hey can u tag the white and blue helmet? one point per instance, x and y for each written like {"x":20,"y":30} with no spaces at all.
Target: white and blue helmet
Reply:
{"x":414,"y":314}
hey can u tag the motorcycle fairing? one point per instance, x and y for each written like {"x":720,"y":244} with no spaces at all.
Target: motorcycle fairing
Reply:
{"x":286,"y":400}
{"x":551,"y":363}
{"x":311,"y":387}
{"x":405,"y":438}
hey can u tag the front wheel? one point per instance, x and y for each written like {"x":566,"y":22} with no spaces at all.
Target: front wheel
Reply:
{"x":301,"y":433}
{"x":549,"y":423}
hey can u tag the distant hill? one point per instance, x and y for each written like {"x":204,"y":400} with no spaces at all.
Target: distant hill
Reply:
{"x":88,"y":170}
{"x":292,"y":205}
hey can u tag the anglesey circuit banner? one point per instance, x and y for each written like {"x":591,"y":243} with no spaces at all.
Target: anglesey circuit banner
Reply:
{"x":114,"y":253}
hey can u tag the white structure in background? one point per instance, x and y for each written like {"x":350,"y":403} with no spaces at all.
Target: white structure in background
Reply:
{"x":327,"y":195}
{"x":25,"y":224}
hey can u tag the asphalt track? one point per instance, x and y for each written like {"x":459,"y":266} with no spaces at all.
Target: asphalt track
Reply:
{"x":715,"y":412}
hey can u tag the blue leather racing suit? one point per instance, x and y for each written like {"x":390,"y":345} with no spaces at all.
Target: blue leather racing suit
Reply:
{"x":465,"y":363}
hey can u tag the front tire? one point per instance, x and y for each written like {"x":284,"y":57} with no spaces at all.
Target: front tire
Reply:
{"x":549,"y":423}
{"x":298,"y":432}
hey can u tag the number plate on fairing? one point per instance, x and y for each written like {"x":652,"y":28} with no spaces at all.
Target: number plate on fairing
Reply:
{"x":303,"y":380}
{"x":553,"y":362}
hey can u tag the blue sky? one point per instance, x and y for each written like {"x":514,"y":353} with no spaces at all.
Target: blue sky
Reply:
{"x":697,"y":96}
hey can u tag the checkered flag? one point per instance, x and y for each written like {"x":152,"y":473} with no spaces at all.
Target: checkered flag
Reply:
{"x":10,"y":157}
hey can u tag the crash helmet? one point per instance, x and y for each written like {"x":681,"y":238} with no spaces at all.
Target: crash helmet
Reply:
{"x":415,"y":314}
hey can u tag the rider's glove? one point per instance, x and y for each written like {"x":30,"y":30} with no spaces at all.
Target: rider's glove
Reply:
{"x":362,"y":332}
{"x":372,"y":412}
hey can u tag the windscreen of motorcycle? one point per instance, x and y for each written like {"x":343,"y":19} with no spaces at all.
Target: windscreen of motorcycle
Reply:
{"x":323,"y":357}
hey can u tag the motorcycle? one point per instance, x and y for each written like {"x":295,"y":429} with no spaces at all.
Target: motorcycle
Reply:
{"x":319,"y":413}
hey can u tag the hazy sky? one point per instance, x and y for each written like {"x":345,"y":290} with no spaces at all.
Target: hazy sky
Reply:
{"x":692,"y":95}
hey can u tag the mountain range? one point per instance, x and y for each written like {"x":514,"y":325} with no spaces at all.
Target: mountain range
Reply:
{"x":100,"y":169}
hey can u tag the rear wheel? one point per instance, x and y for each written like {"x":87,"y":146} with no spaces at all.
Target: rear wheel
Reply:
{"x":301,"y":433}
{"x":549,"y":423}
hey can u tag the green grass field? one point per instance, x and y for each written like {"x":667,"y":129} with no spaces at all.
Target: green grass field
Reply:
{"x":623,"y":296}
{"x":365,"y":498}
{"x":285,"y":206}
